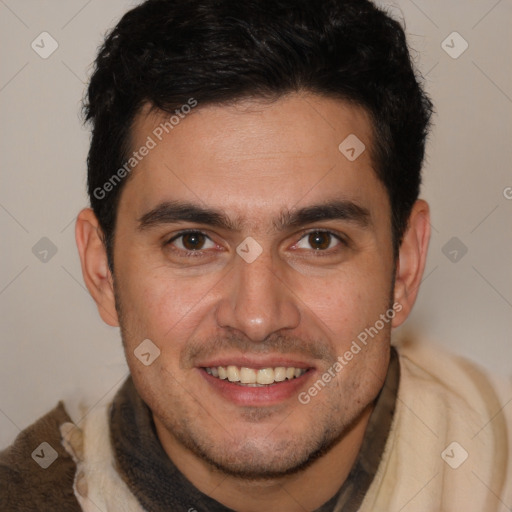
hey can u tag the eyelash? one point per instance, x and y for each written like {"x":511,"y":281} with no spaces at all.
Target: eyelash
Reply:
{"x":187,"y":253}
{"x":202,"y":253}
{"x":328,"y":252}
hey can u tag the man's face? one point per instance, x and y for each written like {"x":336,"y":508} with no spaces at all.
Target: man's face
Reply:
{"x":316,"y":271}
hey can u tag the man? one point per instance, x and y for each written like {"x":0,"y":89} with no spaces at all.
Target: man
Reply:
{"x":256,"y":233}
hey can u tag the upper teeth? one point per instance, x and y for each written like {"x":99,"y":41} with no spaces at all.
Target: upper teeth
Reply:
{"x":252,"y":376}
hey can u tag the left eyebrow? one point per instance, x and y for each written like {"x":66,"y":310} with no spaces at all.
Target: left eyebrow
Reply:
{"x":332,"y":210}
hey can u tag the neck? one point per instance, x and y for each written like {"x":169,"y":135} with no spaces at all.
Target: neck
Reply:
{"x":290,"y":493}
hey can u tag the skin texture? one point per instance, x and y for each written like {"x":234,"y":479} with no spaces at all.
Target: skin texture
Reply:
{"x":257,"y":163}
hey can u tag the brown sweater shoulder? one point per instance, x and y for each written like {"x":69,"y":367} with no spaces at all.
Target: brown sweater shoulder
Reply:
{"x":36,"y":472}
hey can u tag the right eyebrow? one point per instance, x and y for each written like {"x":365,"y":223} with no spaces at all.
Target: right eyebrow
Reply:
{"x":170,"y":212}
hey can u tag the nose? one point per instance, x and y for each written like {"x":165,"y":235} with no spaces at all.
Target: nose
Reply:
{"x":256,"y":301}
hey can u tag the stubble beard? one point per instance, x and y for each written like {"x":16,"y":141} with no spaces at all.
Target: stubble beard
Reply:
{"x":263,"y":459}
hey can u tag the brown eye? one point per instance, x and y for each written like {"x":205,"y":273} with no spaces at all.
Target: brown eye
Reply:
{"x":320,"y":240}
{"x":193,"y":241}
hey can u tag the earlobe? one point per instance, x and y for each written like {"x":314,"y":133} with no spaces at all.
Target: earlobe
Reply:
{"x":95,"y":269}
{"x":412,"y":258}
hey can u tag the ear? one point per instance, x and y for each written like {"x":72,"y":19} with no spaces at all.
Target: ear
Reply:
{"x":93,"y":256}
{"x":411,"y":260}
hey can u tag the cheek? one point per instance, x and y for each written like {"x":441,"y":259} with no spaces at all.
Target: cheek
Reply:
{"x":348,"y":301}
{"x":164,"y":307}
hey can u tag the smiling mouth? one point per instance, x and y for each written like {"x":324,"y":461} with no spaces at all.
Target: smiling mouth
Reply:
{"x":255,"y":377}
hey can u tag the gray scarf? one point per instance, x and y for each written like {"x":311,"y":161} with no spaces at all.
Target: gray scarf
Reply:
{"x":160,"y":487}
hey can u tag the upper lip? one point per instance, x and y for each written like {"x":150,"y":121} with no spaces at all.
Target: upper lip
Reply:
{"x":256,"y":362}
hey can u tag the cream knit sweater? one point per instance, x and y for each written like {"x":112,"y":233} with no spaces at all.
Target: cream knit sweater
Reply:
{"x":449,"y":449}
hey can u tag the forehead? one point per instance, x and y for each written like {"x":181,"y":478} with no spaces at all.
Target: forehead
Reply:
{"x":254,"y":156}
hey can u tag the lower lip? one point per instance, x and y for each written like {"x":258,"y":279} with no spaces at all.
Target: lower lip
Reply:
{"x":257,"y":396}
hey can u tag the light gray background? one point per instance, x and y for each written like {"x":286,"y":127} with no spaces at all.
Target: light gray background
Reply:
{"x":54,"y":345}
